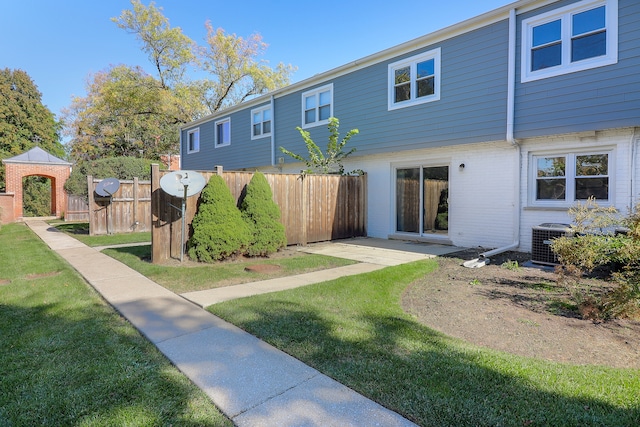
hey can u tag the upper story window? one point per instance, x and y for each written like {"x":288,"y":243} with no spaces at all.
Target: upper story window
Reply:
{"x":193,"y":140}
{"x":573,"y":38}
{"x":317,"y":106}
{"x":565,"y":178}
{"x":414,"y":80}
{"x":223,"y":132}
{"x":261,"y":122}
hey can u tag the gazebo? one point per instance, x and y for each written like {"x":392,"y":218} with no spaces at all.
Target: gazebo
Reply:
{"x":36,"y":162}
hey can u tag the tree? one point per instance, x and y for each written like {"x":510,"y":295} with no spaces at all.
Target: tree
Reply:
{"x":24,"y":121}
{"x":238,"y":75}
{"x":262,"y":215}
{"x":331,"y":161}
{"x":219,"y":231}
{"x":126,"y":112}
{"x":129,"y":112}
{"x":169,"y":50}
{"x":115,"y":167}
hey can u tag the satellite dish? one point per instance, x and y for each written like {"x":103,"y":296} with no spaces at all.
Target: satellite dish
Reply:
{"x":107,"y":187}
{"x":174,"y":183}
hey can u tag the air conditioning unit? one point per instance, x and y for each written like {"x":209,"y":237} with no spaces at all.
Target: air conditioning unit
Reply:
{"x":541,"y":238}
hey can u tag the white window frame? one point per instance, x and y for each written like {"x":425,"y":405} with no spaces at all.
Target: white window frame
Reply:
{"x":217,"y":143}
{"x":261,"y":111}
{"x":565,"y":14}
{"x":196,"y":145}
{"x":412,"y":62}
{"x":570,"y":178}
{"x":316,"y":93}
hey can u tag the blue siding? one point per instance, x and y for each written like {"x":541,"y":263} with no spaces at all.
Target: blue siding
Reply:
{"x":472,"y":107}
{"x":596,"y":99}
{"x":242,"y":153}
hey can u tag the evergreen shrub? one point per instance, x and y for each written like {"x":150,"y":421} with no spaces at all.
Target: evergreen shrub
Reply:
{"x":262,"y":215}
{"x":219,"y":231}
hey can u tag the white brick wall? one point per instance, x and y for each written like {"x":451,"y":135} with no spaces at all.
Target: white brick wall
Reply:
{"x":483,"y":197}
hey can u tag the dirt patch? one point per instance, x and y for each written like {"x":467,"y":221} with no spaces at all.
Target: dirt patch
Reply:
{"x":4,"y":282}
{"x":519,"y":310}
{"x":42,"y":275}
{"x":263,"y":268}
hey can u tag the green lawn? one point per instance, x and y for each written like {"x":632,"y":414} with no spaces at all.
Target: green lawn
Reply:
{"x":195,"y":277}
{"x":67,"y":358}
{"x":354,"y":330}
{"x":80,"y":231}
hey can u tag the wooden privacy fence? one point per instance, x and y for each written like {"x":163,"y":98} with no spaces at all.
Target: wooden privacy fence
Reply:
{"x":128,"y":210}
{"x":314,"y":208}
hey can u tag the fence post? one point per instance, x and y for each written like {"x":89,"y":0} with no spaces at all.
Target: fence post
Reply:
{"x":91,"y":207}
{"x":158,"y":234}
{"x":305,"y":208}
{"x":136,"y":196}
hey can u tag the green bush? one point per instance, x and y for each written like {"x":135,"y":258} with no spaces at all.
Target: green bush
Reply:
{"x":616,"y":256}
{"x":262,"y":215}
{"x":113,"y":167}
{"x":218,"y":229}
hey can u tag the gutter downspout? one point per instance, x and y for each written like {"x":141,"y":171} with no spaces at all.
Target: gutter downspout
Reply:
{"x":273,"y":132}
{"x":483,"y":259}
{"x":632,"y":169}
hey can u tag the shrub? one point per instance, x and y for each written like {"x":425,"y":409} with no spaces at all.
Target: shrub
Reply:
{"x":115,"y":167}
{"x":594,"y":247}
{"x":218,"y":229}
{"x":262,"y":215}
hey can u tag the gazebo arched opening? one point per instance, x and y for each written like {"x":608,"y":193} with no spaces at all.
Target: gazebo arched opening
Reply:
{"x":38,"y":195}
{"x":37,"y":162}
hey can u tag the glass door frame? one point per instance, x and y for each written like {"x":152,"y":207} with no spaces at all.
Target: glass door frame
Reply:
{"x":421,"y":167}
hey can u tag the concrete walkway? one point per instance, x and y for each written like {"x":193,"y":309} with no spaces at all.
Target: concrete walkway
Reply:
{"x":253,"y":383}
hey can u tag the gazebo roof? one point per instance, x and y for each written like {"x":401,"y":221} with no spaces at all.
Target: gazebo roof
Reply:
{"x":37,"y":155}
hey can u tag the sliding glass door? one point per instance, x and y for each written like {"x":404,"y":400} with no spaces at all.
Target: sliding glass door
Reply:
{"x":422,"y":200}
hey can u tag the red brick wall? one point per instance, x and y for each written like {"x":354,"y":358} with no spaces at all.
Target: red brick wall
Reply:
{"x":6,"y":208}
{"x":58,"y":174}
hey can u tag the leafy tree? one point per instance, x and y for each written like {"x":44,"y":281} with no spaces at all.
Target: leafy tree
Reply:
{"x":331,"y":161}
{"x":168,"y":49}
{"x":219,"y":231}
{"x":262,"y":215}
{"x":117,"y":167}
{"x":238,"y":74}
{"x":24,"y":121}
{"x":129,"y":112}
{"x":36,"y":196}
{"x":126,"y":112}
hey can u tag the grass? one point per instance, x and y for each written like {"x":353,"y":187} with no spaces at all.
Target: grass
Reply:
{"x":68,"y":359}
{"x":354,"y":330}
{"x":194,"y":277}
{"x":189,"y":276}
{"x":80,"y":231}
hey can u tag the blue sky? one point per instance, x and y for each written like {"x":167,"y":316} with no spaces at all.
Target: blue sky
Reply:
{"x":60,"y":43}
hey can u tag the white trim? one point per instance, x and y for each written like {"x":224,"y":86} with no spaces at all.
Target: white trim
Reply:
{"x":261,"y":110}
{"x":316,"y":93}
{"x":564,"y":14}
{"x":215,"y":131}
{"x":196,"y":147}
{"x":570,"y":176}
{"x":411,"y":62}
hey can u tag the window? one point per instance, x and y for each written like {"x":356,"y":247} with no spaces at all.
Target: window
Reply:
{"x":570,"y":177}
{"x":414,"y":80}
{"x":573,"y":38}
{"x":193,"y":141}
{"x":223,"y":132}
{"x":260,"y":122}
{"x":317,"y":106}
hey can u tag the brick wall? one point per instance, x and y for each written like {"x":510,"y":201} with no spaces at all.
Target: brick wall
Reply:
{"x":58,"y":174}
